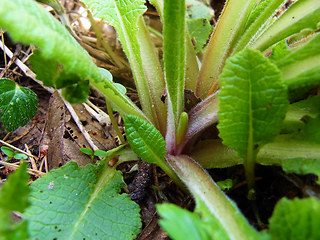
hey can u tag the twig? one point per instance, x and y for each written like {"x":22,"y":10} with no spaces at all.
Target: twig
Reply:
{"x":17,"y":149}
{"x":33,"y":163}
{"x":80,"y":126}
{"x":20,"y":64}
{"x":29,"y":170}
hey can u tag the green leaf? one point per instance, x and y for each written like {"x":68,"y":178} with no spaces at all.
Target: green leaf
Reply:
{"x":303,"y":14}
{"x":100,"y":153}
{"x":296,"y":219}
{"x":147,"y":142}
{"x":226,"y":34}
{"x":199,"y":16}
{"x":59,"y":49}
{"x":279,"y":51}
{"x":253,"y":103}
{"x":198,"y":9}
{"x":18,"y":104}
{"x":257,"y":11}
{"x":301,"y":68}
{"x":229,"y":220}
{"x":82,"y":203}
{"x":87,"y":151}
{"x":174,"y":55}
{"x":7,"y":151}
{"x":20,"y":156}
{"x":14,"y":197}
{"x":258,"y":21}
{"x":124,"y":17}
{"x":199,"y":30}
{"x":182,"y":224}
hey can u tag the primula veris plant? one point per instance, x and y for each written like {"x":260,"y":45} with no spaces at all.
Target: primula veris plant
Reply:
{"x":252,"y":83}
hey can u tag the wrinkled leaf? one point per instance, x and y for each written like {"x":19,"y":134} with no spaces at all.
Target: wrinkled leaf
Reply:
{"x":296,"y":219}
{"x":252,"y":102}
{"x":17,"y":104}
{"x":82,"y":203}
{"x":147,"y":142}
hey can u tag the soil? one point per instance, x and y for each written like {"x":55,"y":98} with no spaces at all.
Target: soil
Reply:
{"x":53,"y":125}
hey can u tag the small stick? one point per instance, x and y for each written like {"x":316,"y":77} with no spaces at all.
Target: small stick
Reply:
{"x":17,"y":149}
{"x":29,"y":170}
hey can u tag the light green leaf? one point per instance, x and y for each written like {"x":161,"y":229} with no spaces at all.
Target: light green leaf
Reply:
{"x":198,"y":9}
{"x":17,"y":104}
{"x":124,"y":17}
{"x":77,"y":203}
{"x":296,"y":219}
{"x":182,"y":224}
{"x":297,"y":111}
{"x":303,"y":14}
{"x":252,"y":102}
{"x":257,"y":11}
{"x":147,"y":142}
{"x":258,"y":21}
{"x":211,"y":202}
{"x":174,"y":54}
{"x":279,"y":51}
{"x":87,"y":151}
{"x":14,"y":197}
{"x":301,"y":68}
{"x":226,"y":34}
{"x":57,"y":47}
{"x":7,"y":151}
{"x":100,"y":153}
{"x":20,"y":156}
{"x":199,"y":30}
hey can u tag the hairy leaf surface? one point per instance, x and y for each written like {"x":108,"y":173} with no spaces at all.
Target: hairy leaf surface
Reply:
{"x":252,"y":102}
{"x":303,"y":14}
{"x":17,"y":104}
{"x":147,"y":142}
{"x":301,"y":68}
{"x":296,"y":219}
{"x":145,"y":139}
{"x":82,"y":203}
{"x":124,"y":17}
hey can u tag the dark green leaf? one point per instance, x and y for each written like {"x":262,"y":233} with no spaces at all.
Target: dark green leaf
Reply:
{"x":18,"y":104}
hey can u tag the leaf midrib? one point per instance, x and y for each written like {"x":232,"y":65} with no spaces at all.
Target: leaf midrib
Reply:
{"x":104,"y":179}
